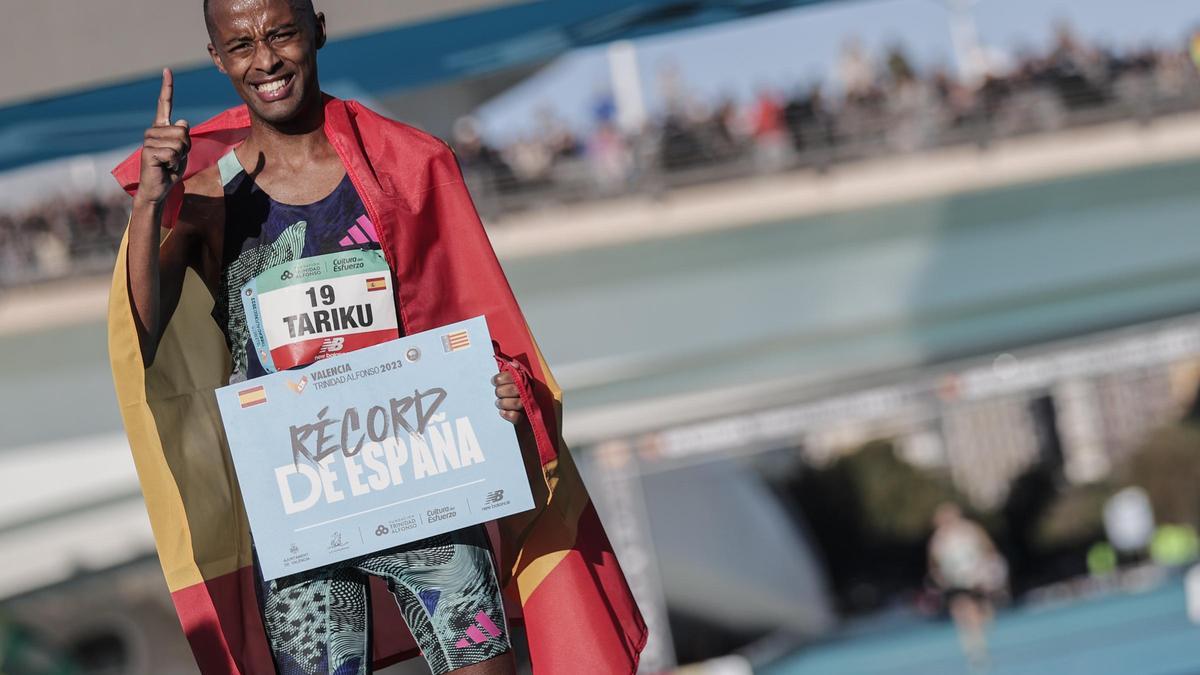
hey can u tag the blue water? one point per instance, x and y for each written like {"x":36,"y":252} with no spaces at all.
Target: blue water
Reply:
{"x":1142,"y":634}
{"x":813,"y":300}
{"x":826,"y":297}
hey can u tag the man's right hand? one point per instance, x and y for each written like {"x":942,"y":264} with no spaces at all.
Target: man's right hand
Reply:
{"x":165,"y":150}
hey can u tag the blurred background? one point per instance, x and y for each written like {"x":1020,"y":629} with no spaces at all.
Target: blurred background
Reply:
{"x":810,"y":272}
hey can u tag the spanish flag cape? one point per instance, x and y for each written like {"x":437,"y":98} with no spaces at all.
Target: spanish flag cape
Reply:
{"x":557,"y":567}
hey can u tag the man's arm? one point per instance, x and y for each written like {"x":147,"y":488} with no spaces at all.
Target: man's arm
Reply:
{"x":156,"y":272}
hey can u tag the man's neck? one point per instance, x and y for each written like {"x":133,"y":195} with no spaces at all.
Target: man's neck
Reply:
{"x":288,"y":147}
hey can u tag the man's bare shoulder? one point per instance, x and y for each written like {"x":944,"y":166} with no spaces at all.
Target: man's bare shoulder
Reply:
{"x":205,"y":183}
{"x":203,"y":200}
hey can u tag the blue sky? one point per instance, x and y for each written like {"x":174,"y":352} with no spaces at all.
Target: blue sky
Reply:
{"x":786,"y":48}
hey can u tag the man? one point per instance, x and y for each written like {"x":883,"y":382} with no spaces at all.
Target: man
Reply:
{"x":295,"y":174}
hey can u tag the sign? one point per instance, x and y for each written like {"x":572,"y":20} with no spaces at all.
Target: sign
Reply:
{"x":312,"y":308}
{"x":374,"y":448}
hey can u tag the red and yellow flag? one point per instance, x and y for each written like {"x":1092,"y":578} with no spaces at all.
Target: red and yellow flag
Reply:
{"x":252,"y":396}
{"x":558,"y":568}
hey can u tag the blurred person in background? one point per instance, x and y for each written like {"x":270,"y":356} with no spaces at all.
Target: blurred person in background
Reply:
{"x":855,"y":70}
{"x":480,"y":162}
{"x":810,"y":124}
{"x":610,"y":158}
{"x":554,"y":132}
{"x":968,"y":570}
{"x":910,"y":104}
{"x":769,"y":131}
{"x":531,"y":159}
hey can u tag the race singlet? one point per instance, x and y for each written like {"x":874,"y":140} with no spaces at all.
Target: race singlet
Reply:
{"x":313,"y":308}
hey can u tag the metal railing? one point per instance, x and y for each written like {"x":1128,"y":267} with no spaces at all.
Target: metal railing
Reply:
{"x":680,"y":152}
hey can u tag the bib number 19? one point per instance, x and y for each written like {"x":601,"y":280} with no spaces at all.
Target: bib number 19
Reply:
{"x":327,"y":297}
{"x":308,"y":309}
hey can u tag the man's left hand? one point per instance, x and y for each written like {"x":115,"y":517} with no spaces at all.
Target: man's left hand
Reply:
{"x":508,"y":398}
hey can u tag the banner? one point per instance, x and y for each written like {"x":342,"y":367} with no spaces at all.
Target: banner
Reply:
{"x":374,"y":448}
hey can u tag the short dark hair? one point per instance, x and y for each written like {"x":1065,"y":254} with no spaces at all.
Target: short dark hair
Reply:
{"x":302,"y":5}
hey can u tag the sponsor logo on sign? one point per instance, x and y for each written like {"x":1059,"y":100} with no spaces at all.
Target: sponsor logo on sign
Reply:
{"x":252,"y":396}
{"x":455,"y":341}
{"x":330,"y":345}
{"x":298,"y":387}
{"x":440,"y":513}
{"x":398,"y":525}
{"x":377,"y":284}
{"x":296,"y":557}
{"x":494,"y":500}
{"x":404,"y":524}
{"x":337,"y":542}
{"x":287,"y":274}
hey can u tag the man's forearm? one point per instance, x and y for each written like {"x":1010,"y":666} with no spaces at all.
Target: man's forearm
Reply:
{"x":144,"y":277}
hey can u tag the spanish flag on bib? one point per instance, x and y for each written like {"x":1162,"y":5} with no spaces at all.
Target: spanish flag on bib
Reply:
{"x":559,"y":573}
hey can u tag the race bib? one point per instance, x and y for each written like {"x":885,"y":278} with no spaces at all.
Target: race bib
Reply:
{"x":313,"y":308}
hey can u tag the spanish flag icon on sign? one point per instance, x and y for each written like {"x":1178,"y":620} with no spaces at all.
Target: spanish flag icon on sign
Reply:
{"x":252,"y":396}
{"x":377,"y":284}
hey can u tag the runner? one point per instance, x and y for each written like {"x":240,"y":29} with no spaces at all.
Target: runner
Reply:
{"x":284,"y":187}
{"x":969,"y":570}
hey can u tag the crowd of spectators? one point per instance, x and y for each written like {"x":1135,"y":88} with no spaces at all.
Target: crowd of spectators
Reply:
{"x":871,"y":106}
{"x":62,"y":237}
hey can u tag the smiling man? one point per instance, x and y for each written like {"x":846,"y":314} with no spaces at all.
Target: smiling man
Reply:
{"x":295,"y":174}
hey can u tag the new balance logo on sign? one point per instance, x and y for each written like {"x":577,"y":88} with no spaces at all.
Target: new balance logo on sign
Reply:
{"x":330,"y":345}
{"x":476,"y":634}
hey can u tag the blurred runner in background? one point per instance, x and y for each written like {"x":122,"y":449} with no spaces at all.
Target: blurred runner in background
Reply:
{"x":970,"y":572}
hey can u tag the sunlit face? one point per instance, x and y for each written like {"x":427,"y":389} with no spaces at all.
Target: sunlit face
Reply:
{"x":268,"y":48}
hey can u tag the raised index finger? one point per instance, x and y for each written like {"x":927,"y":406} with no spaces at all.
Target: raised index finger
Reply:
{"x":163,"y":116}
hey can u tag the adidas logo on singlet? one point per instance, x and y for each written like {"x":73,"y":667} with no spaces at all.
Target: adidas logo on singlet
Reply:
{"x":476,"y":633}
